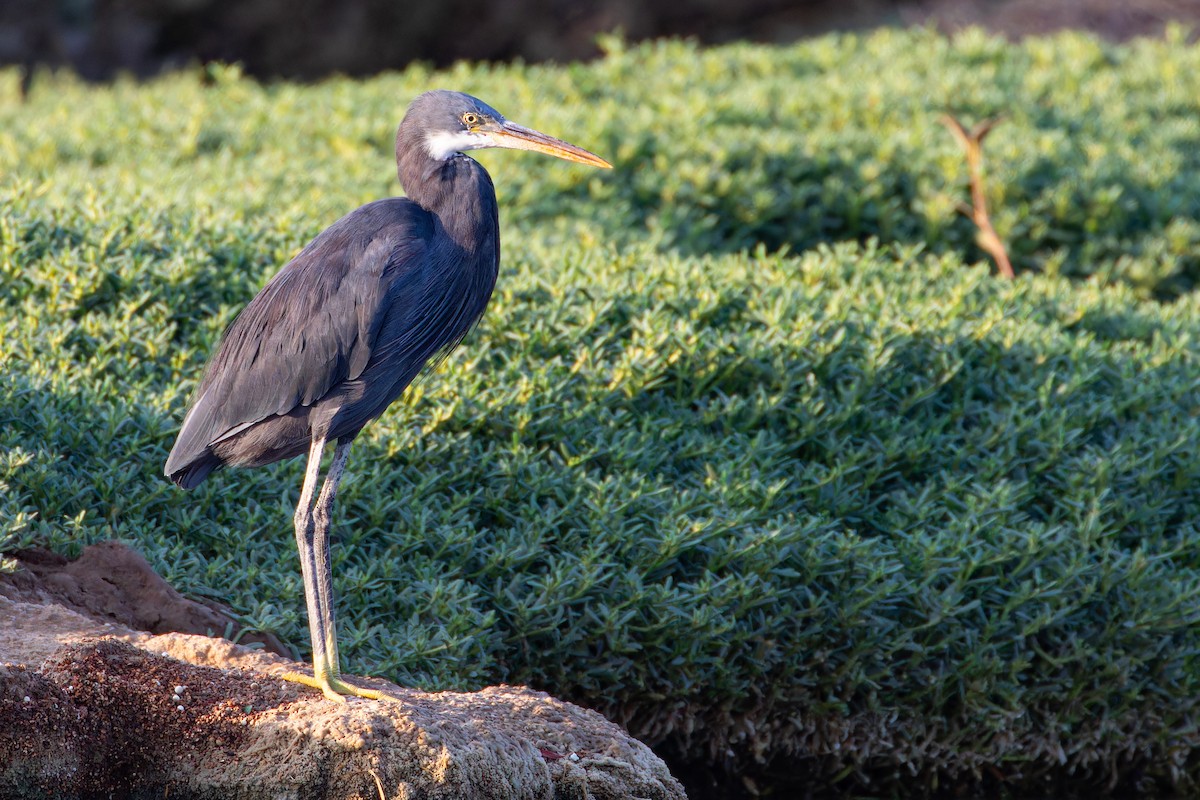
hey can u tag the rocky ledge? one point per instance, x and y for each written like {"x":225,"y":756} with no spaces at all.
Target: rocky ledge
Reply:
{"x":92,"y":707}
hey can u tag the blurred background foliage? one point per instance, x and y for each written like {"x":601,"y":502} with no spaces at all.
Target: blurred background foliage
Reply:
{"x":750,"y":452}
{"x":309,"y":39}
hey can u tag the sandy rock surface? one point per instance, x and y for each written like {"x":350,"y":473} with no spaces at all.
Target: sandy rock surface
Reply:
{"x":93,"y":707}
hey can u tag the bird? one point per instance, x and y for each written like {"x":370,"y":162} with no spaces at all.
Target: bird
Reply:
{"x":343,"y":328}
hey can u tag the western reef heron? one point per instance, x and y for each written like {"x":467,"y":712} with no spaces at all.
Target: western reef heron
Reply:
{"x":346,"y":325}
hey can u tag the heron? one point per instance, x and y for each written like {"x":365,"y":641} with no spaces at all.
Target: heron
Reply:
{"x":343,"y":328}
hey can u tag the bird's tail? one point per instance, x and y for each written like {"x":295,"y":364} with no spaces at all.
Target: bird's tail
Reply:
{"x":192,"y":474}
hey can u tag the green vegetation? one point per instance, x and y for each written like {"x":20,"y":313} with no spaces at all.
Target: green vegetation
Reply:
{"x":750,"y":452}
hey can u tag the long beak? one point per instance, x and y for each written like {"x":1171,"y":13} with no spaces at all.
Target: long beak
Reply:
{"x":516,"y":137}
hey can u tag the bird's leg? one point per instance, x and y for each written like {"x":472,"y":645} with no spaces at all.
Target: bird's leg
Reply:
{"x":303,"y":521}
{"x":322,"y":519}
{"x":322,"y":522}
{"x":312,"y":538}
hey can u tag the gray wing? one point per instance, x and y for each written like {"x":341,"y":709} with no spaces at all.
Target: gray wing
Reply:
{"x":312,"y":327}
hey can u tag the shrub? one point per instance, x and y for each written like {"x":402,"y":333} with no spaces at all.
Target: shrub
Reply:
{"x":746,"y":453}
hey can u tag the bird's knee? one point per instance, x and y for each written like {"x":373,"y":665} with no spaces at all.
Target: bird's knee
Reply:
{"x":321,"y":517}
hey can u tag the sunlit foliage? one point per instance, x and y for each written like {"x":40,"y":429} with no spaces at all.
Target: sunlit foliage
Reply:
{"x":750,"y":452}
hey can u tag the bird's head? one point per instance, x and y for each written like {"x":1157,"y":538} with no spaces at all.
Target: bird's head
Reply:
{"x":446,"y":123}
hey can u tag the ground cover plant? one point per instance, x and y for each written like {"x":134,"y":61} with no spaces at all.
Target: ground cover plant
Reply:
{"x":750,"y":453}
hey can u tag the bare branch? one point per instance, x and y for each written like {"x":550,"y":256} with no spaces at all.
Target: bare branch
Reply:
{"x":972,"y":144}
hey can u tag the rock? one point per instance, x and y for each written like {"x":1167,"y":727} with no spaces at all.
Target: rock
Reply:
{"x":91,"y":708}
{"x":112,"y":583}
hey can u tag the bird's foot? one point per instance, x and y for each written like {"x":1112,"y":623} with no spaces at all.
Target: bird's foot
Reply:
{"x":334,"y":688}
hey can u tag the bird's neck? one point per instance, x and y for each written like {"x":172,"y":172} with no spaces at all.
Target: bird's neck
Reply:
{"x":457,"y":190}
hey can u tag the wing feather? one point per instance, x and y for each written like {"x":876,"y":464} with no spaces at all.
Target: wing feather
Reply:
{"x":313,"y":326}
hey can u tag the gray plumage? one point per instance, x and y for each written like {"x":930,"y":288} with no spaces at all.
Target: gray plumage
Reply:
{"x":345,"y":326}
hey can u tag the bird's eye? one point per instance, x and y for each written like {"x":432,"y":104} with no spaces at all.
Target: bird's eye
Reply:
{"x":470,"y":118}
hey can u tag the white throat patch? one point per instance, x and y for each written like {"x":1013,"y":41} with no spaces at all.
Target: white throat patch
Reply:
{"x":444,"y":144}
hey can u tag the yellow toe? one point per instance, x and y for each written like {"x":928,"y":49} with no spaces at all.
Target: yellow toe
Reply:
{"x":334,"y":688}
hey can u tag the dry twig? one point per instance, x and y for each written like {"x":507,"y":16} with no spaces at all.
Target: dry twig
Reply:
{"x":972,"y":143}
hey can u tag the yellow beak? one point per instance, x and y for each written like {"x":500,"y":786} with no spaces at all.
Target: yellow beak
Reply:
{"x":516,"y":137}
